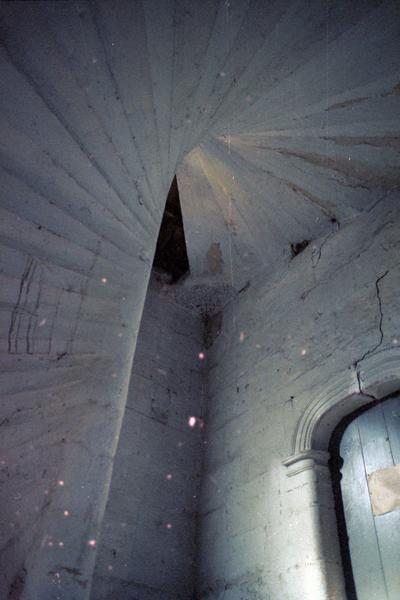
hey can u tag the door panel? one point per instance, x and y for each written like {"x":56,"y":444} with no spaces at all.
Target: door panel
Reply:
{"x":372,"y":442}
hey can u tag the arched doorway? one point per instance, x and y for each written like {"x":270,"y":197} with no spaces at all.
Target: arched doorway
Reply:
{"x":365,"y":450}
{"x":310,"y":456}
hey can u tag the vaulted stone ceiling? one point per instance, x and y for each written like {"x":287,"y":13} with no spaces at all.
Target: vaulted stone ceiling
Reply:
{"x":281,"y":122}
{"x":289,"y":110}
{"x":303,"y":137}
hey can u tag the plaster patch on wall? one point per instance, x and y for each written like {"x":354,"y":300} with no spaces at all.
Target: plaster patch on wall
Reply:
{"x":201,"y":297}
{"x":160,"y":408}
{"x":384,"y":489}
{"x":212,"y":328}
{"x":214,"y":258}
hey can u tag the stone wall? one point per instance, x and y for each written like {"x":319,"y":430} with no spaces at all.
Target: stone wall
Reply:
{"x":281,"y":343}
{"x":147,"y":545}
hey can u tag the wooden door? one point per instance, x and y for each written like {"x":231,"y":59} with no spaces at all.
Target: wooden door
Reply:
{"x":372,"y":442}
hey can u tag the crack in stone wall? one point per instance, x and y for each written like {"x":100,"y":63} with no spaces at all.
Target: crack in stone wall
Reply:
{"x":372,"y":350}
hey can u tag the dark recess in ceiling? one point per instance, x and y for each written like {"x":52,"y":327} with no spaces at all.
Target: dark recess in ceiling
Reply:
{"x":298,"y":248}
{"x":171,"y":259}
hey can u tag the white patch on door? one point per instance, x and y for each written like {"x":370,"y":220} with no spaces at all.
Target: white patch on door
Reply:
{"x":384,"y":489}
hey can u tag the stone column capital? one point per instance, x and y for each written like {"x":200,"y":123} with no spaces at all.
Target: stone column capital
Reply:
{"x":306,"y":460}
